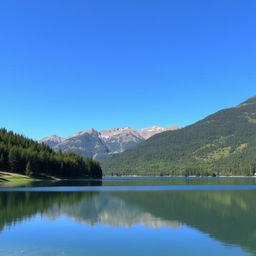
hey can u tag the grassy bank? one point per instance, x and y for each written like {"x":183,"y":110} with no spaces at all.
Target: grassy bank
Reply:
{"x":8,"y":176}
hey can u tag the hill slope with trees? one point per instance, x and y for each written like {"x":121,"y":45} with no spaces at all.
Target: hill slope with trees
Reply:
{"x":25,"y":156}
{"x":221,"y":144}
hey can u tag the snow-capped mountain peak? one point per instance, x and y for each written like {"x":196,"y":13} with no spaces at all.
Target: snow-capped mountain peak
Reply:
{"x":101,"y":144}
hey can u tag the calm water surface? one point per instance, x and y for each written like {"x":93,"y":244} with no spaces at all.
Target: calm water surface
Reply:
{"x":131,"y":216}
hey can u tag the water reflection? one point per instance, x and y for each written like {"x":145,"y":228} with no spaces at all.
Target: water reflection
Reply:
{"x":228,"y":216}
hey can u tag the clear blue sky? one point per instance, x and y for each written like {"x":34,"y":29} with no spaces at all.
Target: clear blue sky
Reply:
{"x":68,"y":65}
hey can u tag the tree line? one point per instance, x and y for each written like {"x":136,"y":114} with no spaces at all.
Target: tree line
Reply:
{"x":26,"y":156}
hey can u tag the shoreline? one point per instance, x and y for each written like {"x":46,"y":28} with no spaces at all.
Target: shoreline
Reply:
{"x":7,"y":177}
{"x":151,"y":176}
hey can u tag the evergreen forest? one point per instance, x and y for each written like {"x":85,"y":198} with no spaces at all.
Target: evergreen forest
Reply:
{"x":25,"y":156}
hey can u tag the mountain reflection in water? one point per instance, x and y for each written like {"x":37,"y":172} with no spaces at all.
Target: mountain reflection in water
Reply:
{"x":228,"y":216}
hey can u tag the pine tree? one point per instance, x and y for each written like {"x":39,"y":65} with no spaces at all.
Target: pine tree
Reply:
{"x":2,"y":162}
{"x":14,"y":159}
{"x":29,"y":170}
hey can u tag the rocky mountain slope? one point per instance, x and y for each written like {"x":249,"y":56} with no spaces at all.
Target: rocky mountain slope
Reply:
{"x":223,"y":143}
{"x":51,"y":140}
{"x":102,"y":144}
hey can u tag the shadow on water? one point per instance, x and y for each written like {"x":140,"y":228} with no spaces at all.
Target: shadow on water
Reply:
{"x":228,"y":216}
{"x":51,"y":183}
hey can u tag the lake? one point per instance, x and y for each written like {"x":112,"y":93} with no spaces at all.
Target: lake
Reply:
{"x":129,"y":216}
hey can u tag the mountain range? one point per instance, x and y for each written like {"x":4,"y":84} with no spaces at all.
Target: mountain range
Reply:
{"x":223,"y":143}
{"x":101,"y":144}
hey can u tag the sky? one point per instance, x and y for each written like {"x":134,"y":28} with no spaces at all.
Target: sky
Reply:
{"x":69,"y":65}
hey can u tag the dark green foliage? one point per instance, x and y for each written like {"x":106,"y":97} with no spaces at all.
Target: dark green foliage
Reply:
{"x":15,"y":159}
{"x":29,"y":170}
{"x":25,"y":156}
{"x":222,"y":144}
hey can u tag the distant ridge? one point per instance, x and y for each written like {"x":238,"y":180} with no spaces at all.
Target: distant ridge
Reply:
{"x":223,"y":143}
{"x":51,"y":140}
{"x":102,"y":144}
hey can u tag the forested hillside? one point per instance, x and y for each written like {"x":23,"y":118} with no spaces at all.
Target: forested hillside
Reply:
{"x":221,"y":144}
{"x":25,"y":156}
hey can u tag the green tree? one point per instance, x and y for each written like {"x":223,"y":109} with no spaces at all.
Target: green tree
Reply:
{"x":2,"y":162}
{"x":29,"y":170}
{"x":14,"y":159}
